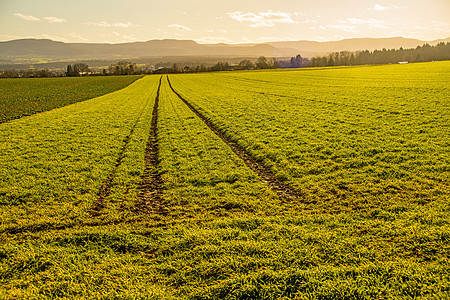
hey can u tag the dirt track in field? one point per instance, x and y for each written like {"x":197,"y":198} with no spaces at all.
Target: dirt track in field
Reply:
{"x":150,"y":190}
{"x":105,"y":188}
{"x":282,"y":189}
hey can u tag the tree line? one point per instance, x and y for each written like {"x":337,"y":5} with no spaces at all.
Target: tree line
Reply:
{"x":423,"y":53}
{"x":120,"y":68}
{"x":261,"y":63}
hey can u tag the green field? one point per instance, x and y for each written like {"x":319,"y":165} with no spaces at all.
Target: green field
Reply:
{"x":26,"y":96}
{"x":328,"y":183}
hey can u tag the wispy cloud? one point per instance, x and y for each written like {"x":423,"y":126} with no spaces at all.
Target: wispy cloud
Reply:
{"x":115,"y":37}
{"x":266,"y":39}
{"x":264,"y":19}
{"x":347,"y":28}
{"x":78,"y":37}
{"x":370,"y":22}
{"x":213,"y":40}
{"x":27,"y":17}
{"x":378,"y":7}
{"x":55,"y":20}
{"x":35,"y":19}
{"x":117,"y":24}
{"x":354,"y":25}
{"x":180,"y":27}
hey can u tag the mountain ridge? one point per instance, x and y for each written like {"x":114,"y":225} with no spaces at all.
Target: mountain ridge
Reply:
{"x":29,"y":50}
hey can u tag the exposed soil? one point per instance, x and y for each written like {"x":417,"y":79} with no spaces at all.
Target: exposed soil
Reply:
{"x":105,"y":189}
{"x":282,"y":189}
{"x":150,"y":198}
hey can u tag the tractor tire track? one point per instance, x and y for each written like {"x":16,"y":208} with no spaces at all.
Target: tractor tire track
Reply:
{"x":150,"y":191}
{"x":107,"y":184}
{"x":282,"y":189}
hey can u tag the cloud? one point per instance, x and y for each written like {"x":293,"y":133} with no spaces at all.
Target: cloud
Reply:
{"x":213,"y":40}
{"x":246,"y":40}
{"x":55,"y":20}
{"x":78,"y":37}
{"x":266,"y":39}
{"x":27,"y":17}
{"x":35,"y":19}
{"x":347,"y":28}
{"x":180,"y":27}
{"x":117,"y":24}
{"x":378,"y":7}
{"x":371,"y":22}
{"x":352,"y":24}
{"x":263,"y":19}
{"x":115,"y":37}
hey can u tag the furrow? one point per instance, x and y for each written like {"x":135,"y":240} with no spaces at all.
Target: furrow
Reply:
{"x":282,"y":189}
{"x":105,"y":188}
{"x":150,"y":190}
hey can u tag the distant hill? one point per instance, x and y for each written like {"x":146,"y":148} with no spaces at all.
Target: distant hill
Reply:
{"x":42,"y":50}
{"x":20,"y":51}
{"x":356,"y":44}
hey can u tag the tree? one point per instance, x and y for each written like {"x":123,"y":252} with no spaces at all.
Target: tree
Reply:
{"x":80,"y":69}
{"x":296,"y":62}
{"x":220,"y":67}
{"x":262,"y":63}
{"x":122,"y":68}
{"x":330,"y":61}
{"x":351,"y":60}
{"x":69,"y":71}
{"x":77,"y":69}
{"x":246,"y":64}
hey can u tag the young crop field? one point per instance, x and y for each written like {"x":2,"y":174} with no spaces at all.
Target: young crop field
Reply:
{"x":321,"y":183}
{"x":26,"y":96}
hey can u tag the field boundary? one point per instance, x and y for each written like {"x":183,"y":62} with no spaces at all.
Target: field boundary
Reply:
{"x":282,"y":189}
{"x":2,"y":121}
{"x":150,"y":189}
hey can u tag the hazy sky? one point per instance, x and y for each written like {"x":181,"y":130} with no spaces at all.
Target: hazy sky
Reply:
{"x":230,"y":21}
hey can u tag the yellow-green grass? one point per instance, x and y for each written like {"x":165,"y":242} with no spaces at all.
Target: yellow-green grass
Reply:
{"x":226,"y":235}
{"x":200,"y":172}
{"x":54,"y":163}
{"x":348,"y":138}
{"x":26,"y":96}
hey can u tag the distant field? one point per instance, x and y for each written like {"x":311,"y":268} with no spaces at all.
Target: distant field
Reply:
{"x":26,"y":96}
{"x":329,"y":183}
{"x":347,"y":138}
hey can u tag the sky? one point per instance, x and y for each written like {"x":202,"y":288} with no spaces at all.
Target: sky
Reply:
{"x":230,"y":21}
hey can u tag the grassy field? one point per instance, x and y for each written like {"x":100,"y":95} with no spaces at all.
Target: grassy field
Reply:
{"x":27,"y":96}
{"x":347,"y":138}
{"x":53,"y":166}
{"x":365,"y":147}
